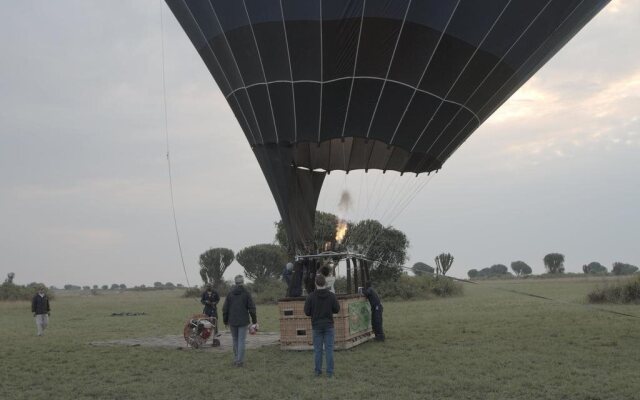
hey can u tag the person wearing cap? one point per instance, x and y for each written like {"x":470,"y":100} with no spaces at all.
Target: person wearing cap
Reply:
{"x":41,"y":310}
{"x":376,"y":311}
{"x":210,"y":299}
{"x":238,"y":307}
{"x":320,"y":305}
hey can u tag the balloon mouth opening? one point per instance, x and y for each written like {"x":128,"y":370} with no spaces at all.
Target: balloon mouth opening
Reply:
{"x":356,"y":153}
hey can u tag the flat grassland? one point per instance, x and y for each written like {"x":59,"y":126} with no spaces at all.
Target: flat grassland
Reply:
{"x":487,"y":344}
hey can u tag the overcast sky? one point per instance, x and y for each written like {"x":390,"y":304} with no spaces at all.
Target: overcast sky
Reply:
{"x":84,"y":189}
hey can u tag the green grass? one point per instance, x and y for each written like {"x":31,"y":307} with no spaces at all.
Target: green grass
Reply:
{"x":487,"y":344}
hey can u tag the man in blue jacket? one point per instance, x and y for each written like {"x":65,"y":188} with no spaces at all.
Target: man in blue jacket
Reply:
{"x":320,"y":305}
{"x":237,"y":308}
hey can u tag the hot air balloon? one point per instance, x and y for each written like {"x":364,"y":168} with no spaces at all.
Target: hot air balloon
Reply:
{"x":323,"y":85}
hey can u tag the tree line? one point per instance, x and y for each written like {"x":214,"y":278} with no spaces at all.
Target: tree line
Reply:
{"x":554,"y":264}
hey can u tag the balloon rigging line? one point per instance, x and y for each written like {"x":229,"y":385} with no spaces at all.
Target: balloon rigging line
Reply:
{"x":536,"y":296}
{"x":386,"y":189}
{"x":413,"y":192}
{"x":402,"y":194}
{"x":166,"y":130}
{"x":397,"y":197}
{"x":413,"y":195}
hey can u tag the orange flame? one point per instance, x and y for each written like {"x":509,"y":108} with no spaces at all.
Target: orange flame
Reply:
{"x":341,"y":230}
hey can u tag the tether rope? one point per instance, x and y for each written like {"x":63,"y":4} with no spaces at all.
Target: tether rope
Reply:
{"x":536,"y":296}
{"x":166,"y":131}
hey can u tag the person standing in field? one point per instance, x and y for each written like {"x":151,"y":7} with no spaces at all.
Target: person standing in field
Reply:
{"x":210,"y":299}
{"x":41,"y":310}
{"x":287,"y":273}
{"x":327,"y":272}
{"x":320,"y":305}
{"x":237,"y":308}
{"x":376,"y":311}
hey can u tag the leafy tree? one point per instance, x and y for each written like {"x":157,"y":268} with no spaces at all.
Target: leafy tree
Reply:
{"x":554,"y":262}
{"x":115,"y":286}
{"x":95,"y":287}
{"x":499,"y":269}
{"x":472,"y":273}
{"x":324,"y":231}
{"x":594,"y":267}
{"x":158,"y":285}
{"x":387,"y":245}
{"x":521,"y":268}
{"x":262,"y":261}
{"x":86,"y":288}
{"x":620,"y":268}
{"x":443,"y":263}
{"x":123,"y":286}
{"x":179,"y":285}
{"x":496,"y":270}
{"x":421,"y":268}
{"x":169,"y":285}
{"x":213,"y":264}
{"x":105,"y":287}
{"x":69,"y":286}
{"x":10,"y":277}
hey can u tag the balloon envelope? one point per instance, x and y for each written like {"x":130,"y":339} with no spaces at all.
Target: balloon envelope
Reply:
{"x":321,"y":85}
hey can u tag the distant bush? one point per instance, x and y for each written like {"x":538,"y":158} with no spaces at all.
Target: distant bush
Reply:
{"x":421,"y":268}
{"x":594,"y":268}
{"x":621,"y":292}
{"x":623,"y":269}
{"x":192,"y":292}
{"x":267,"y":291}
{"x":13,"y":292}
{"x":497,"y":271}
{"x":418,"y":287}
{"x":521,"y":268}
{"x":222,"y":288}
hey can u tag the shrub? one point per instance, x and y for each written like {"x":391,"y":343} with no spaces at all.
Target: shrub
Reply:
{"x":192,"y":292}
{"x":627,"y":291}
{"x":13,"y":292}
{"x":418,"y":287}
{"x":620,"y":268}
{"x":267,"y":291}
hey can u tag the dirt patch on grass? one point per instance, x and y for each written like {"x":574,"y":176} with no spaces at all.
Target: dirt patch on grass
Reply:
{"x":260,"y":339}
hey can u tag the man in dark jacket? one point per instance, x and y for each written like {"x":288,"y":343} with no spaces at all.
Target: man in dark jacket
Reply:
{"x":320,"y":305}
{"x":210,"y":299}
{"x":237,"y":308}
{"x":376,"y":311}
{"x":41,"y":310}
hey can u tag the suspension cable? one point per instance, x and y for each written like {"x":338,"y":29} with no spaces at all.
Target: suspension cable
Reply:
{"x":166,"y":131}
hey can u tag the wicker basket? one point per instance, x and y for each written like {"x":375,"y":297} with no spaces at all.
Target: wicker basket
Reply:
{"x":352,"y":324}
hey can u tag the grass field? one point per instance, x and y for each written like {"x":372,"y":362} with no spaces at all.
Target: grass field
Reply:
{"x":487,"y":344}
